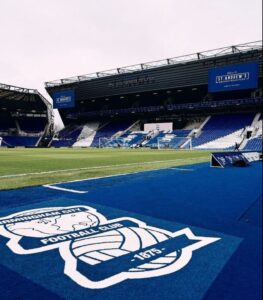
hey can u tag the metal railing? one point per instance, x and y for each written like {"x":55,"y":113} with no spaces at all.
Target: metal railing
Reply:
{"x":241,"y":48}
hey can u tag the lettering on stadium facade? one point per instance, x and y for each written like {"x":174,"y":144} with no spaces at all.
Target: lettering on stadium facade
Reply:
{"x":132,"y":82}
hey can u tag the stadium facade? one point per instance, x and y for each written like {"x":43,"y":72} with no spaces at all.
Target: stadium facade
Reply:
{"x":26,"y":117}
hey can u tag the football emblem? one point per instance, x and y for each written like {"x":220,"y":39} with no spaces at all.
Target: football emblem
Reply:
{"x":99,"y":252}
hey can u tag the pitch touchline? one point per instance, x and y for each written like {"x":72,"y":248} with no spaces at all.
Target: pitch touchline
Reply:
{"x":99,"y":167}
{"x":64,"y":189}
{"x":182,"y":169}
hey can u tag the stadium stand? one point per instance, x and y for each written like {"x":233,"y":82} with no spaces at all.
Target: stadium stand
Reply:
{"x":26,"y":117}
{"x":135,"y":139}
{"x":128,"y":140}
{"x":173,"y":90}
{"x":254,"y":143}
{"x":131,"y":137}
{"x":153,"y":142}
{"x":6,"y":122}
{"x":181,"y":132}
{"x":238,"y":126}
{"x":177,"y":139}
{"x":67,"y":136}
{"x":107,"y":106}
{"x":29,"y":124}
{"x":109,"y":130}
{"x":179,"y":143}
{"x":223,"y":131}
{"x":87,"y":135}
{"x":19,"y":141}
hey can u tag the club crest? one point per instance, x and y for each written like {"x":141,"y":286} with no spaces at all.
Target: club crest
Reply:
{"x":98,"y":252}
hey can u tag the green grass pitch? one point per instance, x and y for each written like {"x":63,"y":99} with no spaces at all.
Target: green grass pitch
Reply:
{"x":21,"y":167}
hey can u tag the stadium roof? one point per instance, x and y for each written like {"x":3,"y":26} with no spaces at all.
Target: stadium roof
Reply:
{"x":241,"y":48}
{"x":14,"y":98}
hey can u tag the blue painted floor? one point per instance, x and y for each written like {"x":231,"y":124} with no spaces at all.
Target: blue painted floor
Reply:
{"x":191,"y":232}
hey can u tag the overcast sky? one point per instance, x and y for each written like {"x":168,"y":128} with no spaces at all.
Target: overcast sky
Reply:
{"x":43,"y":40}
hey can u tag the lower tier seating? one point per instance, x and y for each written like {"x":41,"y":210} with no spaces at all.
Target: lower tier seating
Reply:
{"x":254,"y":144}
{"x":19,"y":141}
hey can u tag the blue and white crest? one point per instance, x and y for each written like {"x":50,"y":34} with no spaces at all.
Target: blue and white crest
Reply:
{"x":98,"y":252}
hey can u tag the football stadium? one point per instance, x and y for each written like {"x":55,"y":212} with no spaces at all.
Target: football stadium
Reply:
{"x":151,"y":189}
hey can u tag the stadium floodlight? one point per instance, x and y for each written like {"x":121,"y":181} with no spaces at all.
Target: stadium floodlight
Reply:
{"x":183,"y":143}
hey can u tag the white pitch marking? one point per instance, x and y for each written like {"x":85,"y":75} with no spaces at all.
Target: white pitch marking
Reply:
{"x":64,"y":189}
{"x":181,"y":169}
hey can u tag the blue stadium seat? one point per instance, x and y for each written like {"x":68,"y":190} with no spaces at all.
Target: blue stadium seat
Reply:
{"x":15,"y":141}
{"x":222,"y":125}
{"x":254,"y":144}
{"x":67,"y":136}
{"x":109,"y":130}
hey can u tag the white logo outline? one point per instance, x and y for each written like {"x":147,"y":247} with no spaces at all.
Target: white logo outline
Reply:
{"x":71,"y":261}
